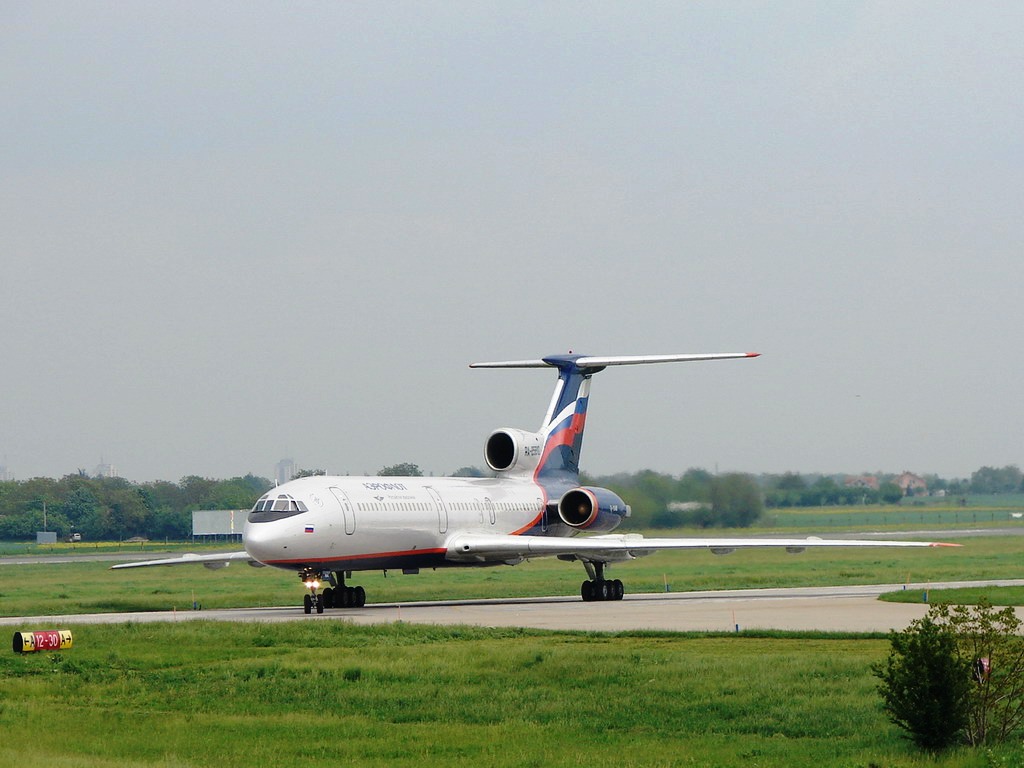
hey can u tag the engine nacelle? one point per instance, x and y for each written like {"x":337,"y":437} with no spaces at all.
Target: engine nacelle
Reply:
{"x":596,"y":509}
{"x":508,"y":449}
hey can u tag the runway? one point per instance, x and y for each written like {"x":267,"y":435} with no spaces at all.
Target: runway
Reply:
{"x":835,"y":609}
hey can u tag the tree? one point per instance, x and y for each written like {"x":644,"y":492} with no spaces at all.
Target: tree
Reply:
{"x":468,"y":472}
{"x":925,"y":684}
{"x":128,"y":513}
{"x":694,"y":485}
{"x":401,"y":470}
{"x":736,"y":500}
{"x":1007,"y":479}
{"x":989,"y":640}
{"x":196,"y":491}
{"x":166,"y":523}
{"x":790,"y":481}
{"x":890,"y":493}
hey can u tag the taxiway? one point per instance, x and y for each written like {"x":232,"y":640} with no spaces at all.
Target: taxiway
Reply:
{"x":828,"y":609}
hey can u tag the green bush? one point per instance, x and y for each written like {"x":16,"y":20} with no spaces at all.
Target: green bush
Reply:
{"x":957,"y":675}
{"x":926,"y":685}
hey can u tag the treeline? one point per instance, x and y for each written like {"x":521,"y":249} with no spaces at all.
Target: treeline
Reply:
{"x":102,"y":508}
{"x":794,"y":490}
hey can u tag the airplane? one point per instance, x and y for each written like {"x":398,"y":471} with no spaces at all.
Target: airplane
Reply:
{"x":326,"y":528}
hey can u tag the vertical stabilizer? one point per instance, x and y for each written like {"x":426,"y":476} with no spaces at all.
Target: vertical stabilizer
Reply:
{"x":566,"y":416}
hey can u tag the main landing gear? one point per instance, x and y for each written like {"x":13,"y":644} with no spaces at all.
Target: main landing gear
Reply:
{"x":599,"y":588}
{"x":335,"y":596}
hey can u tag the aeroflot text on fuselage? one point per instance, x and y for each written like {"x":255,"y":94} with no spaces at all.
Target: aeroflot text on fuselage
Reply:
{"x":384,"y":487}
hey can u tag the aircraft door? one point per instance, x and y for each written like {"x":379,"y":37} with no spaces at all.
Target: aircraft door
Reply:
{"x":442,"y":510}
{"x":348,"y":510}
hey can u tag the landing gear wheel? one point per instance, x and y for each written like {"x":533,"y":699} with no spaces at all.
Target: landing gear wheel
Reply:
{"x":602,"y":590}
{"x":319,"y":603}
{"x":360,"y":597}
{"x":307,"y":604}
{"x":328,"y":595}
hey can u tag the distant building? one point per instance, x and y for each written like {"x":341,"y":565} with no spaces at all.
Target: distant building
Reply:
{"x":911,"y":484}
{"x":285,"y":470}
{"x":864,"y":481}
{"x":104,"y":470}
{"x":687,"y":506}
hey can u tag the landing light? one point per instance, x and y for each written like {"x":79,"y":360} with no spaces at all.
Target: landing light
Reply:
{"x":313,"y":584}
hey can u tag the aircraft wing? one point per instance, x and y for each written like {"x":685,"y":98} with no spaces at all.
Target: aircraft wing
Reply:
{"x":467,"y":547}
{"x":218,"y":560}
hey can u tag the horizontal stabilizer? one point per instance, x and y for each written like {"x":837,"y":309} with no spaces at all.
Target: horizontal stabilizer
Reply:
{"x":600,"y":361}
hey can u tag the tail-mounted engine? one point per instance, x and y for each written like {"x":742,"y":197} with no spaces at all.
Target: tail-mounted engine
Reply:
{"x":596,"y":509}
{"x":507,"y":449}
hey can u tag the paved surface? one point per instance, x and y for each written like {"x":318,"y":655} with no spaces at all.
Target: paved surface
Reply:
{"x":848,"y":609}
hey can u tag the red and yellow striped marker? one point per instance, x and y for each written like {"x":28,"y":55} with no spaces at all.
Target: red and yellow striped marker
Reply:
{"x":50,"y":640}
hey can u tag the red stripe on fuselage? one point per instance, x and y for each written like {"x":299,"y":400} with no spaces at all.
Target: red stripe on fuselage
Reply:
{"x":535,"y":522}
{"x":368,"y":556}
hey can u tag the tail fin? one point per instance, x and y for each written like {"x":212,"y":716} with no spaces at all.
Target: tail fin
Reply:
{"x":566,"y":416}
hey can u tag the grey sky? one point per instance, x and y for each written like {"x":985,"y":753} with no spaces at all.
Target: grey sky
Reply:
{"x":235,"y":232}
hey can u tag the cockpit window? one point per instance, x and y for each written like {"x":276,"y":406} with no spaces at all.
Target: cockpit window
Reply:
{"x":276,"y":507}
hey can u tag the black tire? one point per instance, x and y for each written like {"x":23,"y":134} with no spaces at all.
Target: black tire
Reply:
{"x":587,"y":591}
{"x":360,"y":597}
{"x":319,"y":603}
{"x":329,"y":595}
{"x":619,"y":590}
{"x":307,"y":604}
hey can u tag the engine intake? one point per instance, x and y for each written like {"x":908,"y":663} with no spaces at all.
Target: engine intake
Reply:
{"x":596,"y":509}
{"x":508,"y":449}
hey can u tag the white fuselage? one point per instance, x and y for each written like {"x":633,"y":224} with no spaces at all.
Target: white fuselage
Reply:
{"x":363,"y":523}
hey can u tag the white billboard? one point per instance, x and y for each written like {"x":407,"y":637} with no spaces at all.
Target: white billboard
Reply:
{"x":218,"y":522}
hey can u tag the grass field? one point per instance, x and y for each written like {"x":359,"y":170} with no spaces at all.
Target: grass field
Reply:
{"x":965,"y":596}
{"x":327,"y":693}
{"x":992,"y":512}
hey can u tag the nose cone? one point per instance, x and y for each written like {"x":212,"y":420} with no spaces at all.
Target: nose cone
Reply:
{"x":261,"y":542}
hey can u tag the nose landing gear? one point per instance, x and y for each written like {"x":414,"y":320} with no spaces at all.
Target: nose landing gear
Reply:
{"x":336,"y":596}
{"x":313,"y":599}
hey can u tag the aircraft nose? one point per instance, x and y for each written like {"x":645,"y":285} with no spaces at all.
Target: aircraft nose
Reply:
{"x":268,"y":523}
{"x":261,"y":542}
